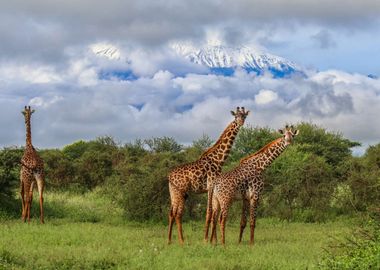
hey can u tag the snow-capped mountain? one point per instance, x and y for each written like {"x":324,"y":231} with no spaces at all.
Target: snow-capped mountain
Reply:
{"x":107,"y":50}
{"x":224,"y":58}
{"x":217,"y":59}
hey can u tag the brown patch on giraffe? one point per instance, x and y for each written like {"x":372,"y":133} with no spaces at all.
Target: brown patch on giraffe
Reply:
{"x":263,"y":149}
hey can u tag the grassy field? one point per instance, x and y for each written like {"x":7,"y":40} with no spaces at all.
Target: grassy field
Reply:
{"x":88,"y":232}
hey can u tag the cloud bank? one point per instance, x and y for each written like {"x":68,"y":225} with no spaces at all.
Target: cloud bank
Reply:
{"x":74,"y":102}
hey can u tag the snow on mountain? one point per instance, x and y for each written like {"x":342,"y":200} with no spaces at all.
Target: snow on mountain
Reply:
{"x":224,"y":57}
{"x":219,"y":59}
{"x":106,"y":50}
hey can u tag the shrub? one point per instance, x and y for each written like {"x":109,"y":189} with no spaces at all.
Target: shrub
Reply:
{"x":146,"y":194}
{"x":361,"y":250}
{"x":9,"y":178}
{"x":298,"y":182}
{"x":59,"y":169}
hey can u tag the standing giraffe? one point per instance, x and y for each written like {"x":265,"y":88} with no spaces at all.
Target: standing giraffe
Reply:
{"x":246,"y":181}
{"x":32,"y":170}
{"x":197,"y":177}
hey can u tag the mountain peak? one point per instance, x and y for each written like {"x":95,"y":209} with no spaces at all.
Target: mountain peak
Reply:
{"x":217,"y":58}
{"x":106,"y":50}
{"x":221,"y":56}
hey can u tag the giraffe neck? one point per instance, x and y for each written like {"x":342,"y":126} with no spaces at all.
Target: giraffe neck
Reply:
{"x":264,"y":157}
{"x":220,"y":150}
{"x":28,"y":133}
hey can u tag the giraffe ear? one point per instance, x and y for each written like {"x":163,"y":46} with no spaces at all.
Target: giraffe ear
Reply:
{"x":32,"y":111}
{"x":281,"y":131}
{"x":296,"y":132}
{"x":233,"y":113}
{"x":23,"y":112}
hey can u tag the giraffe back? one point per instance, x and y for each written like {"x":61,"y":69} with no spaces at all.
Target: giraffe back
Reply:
{"x":31,"y":159}
{"x":192,"y":177}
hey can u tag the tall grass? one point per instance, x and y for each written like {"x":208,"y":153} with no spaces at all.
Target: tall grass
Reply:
{"x":88,"y":232}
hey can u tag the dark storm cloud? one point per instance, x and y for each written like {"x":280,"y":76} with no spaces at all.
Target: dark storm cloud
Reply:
{"x":41,"y":30}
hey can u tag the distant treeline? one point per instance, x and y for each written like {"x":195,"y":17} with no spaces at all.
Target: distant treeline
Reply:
{"x":315,"y":179}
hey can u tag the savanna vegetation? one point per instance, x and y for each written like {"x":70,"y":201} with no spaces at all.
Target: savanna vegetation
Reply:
{"x":107,"y":203}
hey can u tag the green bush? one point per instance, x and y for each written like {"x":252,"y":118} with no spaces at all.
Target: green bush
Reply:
{"x":314,"y":179}
{"x":298,"y":186}
{"x":146,"y":194}
{"x":360,"y":250}
{"x":9,"y":179}
{"x":9,"y":169}
{"x":59,"y":169}
{"x":363,"y":177}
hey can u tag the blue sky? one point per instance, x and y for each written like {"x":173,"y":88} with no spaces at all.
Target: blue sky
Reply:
{"x":351,"y":51}
{"x":47,"y":61}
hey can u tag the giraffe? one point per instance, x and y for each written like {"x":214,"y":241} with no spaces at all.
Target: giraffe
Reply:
{"x":197,"y":176}
{"x":32,"y":171}
{"x":246,"y":181}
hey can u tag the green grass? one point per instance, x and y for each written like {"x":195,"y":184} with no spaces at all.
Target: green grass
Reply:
{"x":88,"y":232}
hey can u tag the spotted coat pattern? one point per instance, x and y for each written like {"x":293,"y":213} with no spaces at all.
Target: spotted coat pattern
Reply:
{"x":197,"y":177}
{"x":32,"y":172}
{"x":245,"y":182}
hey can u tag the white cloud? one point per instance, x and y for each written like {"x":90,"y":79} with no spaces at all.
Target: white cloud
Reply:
{"x":80,"y":105}
{"x":265,"y":97}
{"x":44,"y":102}
{"x":29,"y":73}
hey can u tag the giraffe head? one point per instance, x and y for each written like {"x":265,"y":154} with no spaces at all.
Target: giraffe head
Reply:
{"x":240,"y":115}
{"x":27,"y":112}
{"x":289,"y":133}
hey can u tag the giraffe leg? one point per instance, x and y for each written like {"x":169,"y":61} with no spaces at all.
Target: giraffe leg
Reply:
{"x":26,"y":193}
{"x":252,"y":219}
{"x":22,"y":195}
{"x":27,"y":206}
{"x":24,"y":187}
{"x":30,"y":200}
{"x":41,"y":185}
{"x":171,"y":222}
{"x":178,"y":204}
{"x":24,"y":208}
{"x":214,"y":219}
{"x":178,"y":219}
{"x":208,"y":213}
{"x":243,"y":221}
{"x":222,"y":222}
